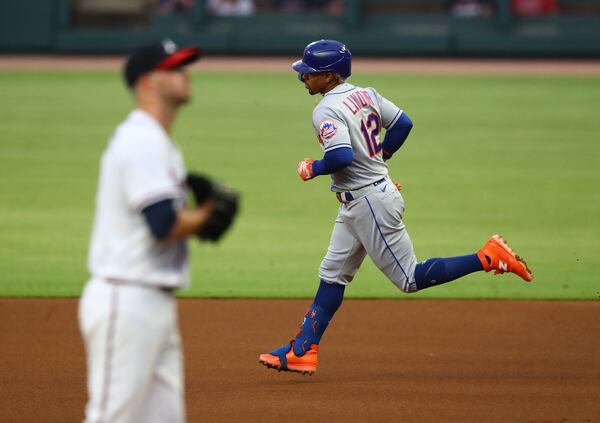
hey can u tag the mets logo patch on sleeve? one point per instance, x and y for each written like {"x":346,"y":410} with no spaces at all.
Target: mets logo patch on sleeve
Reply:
{"x":327,"y":129}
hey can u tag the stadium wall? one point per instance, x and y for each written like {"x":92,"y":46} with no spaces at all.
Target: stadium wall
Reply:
{"x":373,"y":27}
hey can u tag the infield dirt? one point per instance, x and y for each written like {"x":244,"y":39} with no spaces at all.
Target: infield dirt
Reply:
{"x":380,"y":361}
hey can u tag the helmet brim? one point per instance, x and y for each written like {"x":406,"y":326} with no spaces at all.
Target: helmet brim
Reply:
{"x":302,"y":67}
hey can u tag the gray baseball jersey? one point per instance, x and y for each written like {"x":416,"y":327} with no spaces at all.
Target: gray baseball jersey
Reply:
{"x":350,"y":116}
{"x":371,"y":223}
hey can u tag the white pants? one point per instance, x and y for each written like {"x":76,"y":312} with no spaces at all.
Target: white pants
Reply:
{"x":134,"y":359}
{"x":371,"y":224}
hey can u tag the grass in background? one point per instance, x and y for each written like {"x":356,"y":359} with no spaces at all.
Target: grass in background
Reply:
{"x":514,"y":155}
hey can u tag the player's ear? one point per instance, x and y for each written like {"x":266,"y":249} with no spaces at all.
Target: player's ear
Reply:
{"x":145,"y":81}
{"x":143,"y":86}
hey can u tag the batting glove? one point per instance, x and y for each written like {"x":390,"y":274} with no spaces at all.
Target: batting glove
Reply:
{"x":305,"y":170}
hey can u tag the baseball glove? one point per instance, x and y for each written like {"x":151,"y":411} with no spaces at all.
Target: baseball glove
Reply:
{"x":225,"y":205}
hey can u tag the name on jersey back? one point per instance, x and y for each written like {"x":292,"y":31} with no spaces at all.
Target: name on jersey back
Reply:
{"x":358,"y":100}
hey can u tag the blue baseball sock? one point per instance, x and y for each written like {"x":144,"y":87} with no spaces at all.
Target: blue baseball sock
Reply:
{"x":327,"y":301}
{"x":329,"y":296}
{"x":436,"y":271}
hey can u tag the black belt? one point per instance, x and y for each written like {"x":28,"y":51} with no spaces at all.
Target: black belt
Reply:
{"x":114,"y":281}
{"x":346,"y":197}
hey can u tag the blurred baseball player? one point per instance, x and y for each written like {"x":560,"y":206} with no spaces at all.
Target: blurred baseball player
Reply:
{"x":138,"y":251}
{"x":348,"y":122}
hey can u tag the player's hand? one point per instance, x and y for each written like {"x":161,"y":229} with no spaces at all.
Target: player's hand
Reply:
{"x":190,"y":220}
{"x":398,"y":185}
{"x":204,"y":211}
{"x":305,"y":169}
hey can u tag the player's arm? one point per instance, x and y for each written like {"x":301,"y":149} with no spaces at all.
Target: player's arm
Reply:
{"x":335,"y":140}
{"x":396,"y":135}
{"x":333,"y":161}
{"x":396,"y":123}
{"x":167,"y":224}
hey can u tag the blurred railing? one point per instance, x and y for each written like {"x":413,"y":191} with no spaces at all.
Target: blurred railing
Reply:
{"x":377,"y":27}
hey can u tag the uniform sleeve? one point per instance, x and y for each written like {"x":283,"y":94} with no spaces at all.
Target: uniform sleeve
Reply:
{"x":331,"y":131}
{"x":146,"y":174}
{"x":160,"y":218}
{"x":390,"y":113}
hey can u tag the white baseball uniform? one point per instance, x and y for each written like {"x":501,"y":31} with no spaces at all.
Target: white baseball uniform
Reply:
{"x":369,"y":220}
{"x":127,"y":312}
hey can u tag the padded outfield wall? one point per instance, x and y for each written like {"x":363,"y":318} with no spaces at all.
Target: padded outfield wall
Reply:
{"x":370,"y":27}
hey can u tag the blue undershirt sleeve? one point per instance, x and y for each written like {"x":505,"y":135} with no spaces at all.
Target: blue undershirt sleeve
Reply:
{"x":333,"y":161}
{"x":160,"y":217}
{"x":396,"y":135}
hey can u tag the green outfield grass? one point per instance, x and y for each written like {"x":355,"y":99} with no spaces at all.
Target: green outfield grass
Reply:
{"x":514,"y":155}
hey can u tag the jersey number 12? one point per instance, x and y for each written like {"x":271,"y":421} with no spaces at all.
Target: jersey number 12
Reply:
{"x":370,"y":132}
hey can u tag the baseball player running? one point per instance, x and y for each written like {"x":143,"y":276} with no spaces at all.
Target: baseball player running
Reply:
{"x":348,"y":122}
{"x":138,"y":253}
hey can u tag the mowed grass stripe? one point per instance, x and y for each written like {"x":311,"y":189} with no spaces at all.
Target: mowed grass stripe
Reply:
{"x":507,"y":154}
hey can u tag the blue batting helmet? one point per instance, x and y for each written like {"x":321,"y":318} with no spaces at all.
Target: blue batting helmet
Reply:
{"x":325,"y":56}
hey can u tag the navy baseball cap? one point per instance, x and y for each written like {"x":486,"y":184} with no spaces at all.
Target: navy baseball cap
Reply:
{"x":163,"y":55}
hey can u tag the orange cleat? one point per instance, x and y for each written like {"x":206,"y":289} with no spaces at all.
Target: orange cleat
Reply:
{"x":284,"y":359}
{"x":497,"y":255}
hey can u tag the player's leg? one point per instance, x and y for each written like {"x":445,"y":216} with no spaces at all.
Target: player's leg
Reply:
{"x":327,"y":301}
{"x":494,"y":255}
{"x":439,"y":270}
{"x":123,"y":335}
{"x":344,"y":256}
{"x":377,"y":219}
{"x":103,"y":319}
{"x":165,"y":401}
